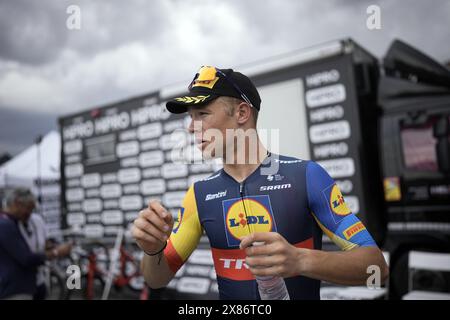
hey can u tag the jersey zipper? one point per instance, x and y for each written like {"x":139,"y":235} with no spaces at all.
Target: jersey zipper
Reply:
{"x":242,"y":194}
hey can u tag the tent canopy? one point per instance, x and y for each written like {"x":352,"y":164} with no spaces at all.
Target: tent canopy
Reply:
{"x":23,"y":169}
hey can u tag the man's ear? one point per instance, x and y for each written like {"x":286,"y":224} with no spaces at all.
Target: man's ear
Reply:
{"x":244,"y":112}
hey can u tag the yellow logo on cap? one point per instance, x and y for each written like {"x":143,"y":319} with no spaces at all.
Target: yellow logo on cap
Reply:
{"x":195,"y":100}
{"x":337,"y":203}
{"x":205,"y":83}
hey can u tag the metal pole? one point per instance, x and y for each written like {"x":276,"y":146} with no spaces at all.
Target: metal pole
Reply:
{"x":39,"y":173}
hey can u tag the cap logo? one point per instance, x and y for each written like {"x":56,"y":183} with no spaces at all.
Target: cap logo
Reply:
{"x":205,"y":83}
{"x":194,"y":100}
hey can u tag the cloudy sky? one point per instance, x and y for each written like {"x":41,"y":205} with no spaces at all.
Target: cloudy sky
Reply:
{"x":127,"y":48}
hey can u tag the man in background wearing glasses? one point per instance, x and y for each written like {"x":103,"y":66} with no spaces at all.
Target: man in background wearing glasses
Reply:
{"x":283,"y":202}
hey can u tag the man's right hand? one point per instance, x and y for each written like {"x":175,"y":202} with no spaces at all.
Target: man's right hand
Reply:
{"x":152,"y":228}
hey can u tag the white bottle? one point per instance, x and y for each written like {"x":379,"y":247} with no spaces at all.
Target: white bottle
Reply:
{"x":271,"y":287}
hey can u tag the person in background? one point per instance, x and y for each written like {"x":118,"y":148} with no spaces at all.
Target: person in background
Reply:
{"x":22,"y":247}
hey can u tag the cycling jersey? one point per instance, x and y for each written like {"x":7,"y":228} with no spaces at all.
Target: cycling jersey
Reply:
{"x":299,"y":201}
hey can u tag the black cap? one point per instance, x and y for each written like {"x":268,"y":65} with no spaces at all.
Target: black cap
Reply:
{"x":227,"y":83}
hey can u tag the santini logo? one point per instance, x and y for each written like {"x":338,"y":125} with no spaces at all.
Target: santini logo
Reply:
{"x":217,"y":195}
{"x":275,"y":187}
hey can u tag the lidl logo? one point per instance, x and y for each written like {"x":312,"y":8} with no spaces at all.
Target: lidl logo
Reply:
{"x":178,"y":220}
{"x":247,"y":215}
{"x":337,"y":202}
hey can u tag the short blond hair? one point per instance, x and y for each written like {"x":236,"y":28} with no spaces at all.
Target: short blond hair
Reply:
{"x":230,"y":104}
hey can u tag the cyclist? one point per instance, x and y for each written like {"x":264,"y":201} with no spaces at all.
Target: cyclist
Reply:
{"x":258,"y":196}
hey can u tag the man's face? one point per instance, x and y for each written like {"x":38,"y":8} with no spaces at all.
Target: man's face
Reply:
{"x":23,"y":210}
{"x":209,"y":125}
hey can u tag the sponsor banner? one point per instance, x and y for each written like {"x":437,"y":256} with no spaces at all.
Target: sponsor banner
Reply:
{"x":129,"y":175}
{"x":323,"y":77}
{"x":91,"y":180}
{"x":92,"y":205}
{"x":202,"y":256}
{"x":53,"y":213}
{"x":174,"y":170}
{"x":195,"y":270}
{"x":193,"y":285}
{"x":154,"y":186}
{"x":131,"y":203}
{"x":330,"y":150}
{"x":168,"y":142}
{"x":131,"y":188}
{"x":152,"y":158}
{"x":129,"y":162}
{"x":201,"y":167}
{"x":93,"y":231}
{"x":74,"y":194}
{"x":149,"y":145}
{"x":111,"y":204}
{"x":92,"y":193}
{"x":128,"y":135}
{"x":78,"y":130}
{"x":331,"y":131}
{"x":149,"y":112}
{"x":339,"y":168}
{"x":76,"y":218}
{"x":109,"y":177}
{"x":326,"y":114}
{"x":325,"y":95}
{"x":149,"y":131}
{"x":73,"y":183}
{"x":127,"y":149}
{"x":94,"y":218}
{"x":50,"y":190}
{"x":173,"y":199}
{"x":110,"y":230}
{"x":74,"y":206}
{"x":73,"y":158}
{"x":157,"y":198}
{"x":73,"y":170}
{"x":108,"y":191}
{"x":74,"y":146}
{"x":192,"y":154}
{"x":151,"y":173}
{"x":112,"y":122}
{"x":177,"y":184}
{"x":112,"y":217}
{"x":346,"y":186}
{"x":173,"y":125}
